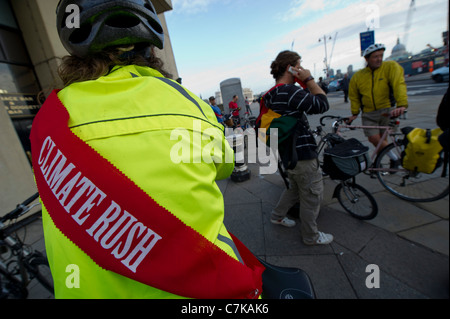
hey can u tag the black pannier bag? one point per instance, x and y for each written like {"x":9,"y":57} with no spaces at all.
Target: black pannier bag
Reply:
{"x":346,"y":160}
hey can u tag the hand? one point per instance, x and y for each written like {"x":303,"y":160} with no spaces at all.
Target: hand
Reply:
{"x":398,"y":111}
{"x":351,"y":119}
{"x":303,"y":74}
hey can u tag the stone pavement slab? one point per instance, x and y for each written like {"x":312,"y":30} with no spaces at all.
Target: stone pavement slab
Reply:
{"x":390,"y":287}
{"x":420,"y":268}
{"x":396,"y":215}
{"x":433,"y":235}
{"x":407,"y":241}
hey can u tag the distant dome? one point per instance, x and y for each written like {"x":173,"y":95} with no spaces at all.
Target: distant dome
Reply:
{"x":399,"y":49}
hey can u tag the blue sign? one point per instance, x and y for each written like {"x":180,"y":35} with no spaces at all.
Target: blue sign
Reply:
{"x":367,"y":39}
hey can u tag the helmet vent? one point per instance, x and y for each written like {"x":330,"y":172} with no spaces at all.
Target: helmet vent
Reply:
{"x":122,"y":20}
{"x":156,"y":26}
{"x":149,"y":7}
{"x":80,"y":35}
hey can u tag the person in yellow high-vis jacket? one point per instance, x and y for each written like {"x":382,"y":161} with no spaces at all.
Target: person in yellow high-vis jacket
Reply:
{"x":160,"y":135}
{"x":378,"y":92}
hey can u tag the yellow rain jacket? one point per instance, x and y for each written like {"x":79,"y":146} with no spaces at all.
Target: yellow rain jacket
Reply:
{"x":372,"y":90}
{"x":161,"y":137}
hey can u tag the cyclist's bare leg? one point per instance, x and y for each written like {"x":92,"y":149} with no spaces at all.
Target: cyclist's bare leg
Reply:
{"x":375,"y":140}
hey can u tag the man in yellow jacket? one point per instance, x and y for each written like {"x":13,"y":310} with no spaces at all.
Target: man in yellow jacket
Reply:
{"x":378,"y":92}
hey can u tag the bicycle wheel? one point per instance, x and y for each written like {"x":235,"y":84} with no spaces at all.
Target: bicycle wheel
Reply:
{"x":356,"y":200}
{"x":408,"y":185}
{"x":12,"y":288}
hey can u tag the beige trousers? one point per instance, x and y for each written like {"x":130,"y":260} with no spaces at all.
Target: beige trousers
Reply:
{"x":306,"y":187}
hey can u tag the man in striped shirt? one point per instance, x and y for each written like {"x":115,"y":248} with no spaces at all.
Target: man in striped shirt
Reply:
{"x":305,"y":178}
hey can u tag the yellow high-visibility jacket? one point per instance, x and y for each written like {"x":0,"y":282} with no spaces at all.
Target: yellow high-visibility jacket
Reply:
{"x":372,"y":90}
{"x":167,"y":141}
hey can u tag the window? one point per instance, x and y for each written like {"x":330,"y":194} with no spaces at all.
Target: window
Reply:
{"x":19,"y":87}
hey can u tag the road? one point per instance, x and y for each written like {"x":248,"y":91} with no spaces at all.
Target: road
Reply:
{"x":422,"y":86}
{"x":426,"y":87}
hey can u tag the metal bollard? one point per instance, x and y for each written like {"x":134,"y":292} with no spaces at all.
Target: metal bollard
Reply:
{"x":241,"y":172}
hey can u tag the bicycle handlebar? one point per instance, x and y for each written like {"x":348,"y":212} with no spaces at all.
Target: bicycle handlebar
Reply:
{"x":19,"y":209}
{"x":333,"y":117}
{"x":346,"y":119}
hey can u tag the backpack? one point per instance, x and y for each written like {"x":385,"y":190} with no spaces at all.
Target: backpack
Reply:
{"x":422,"y":150}
{"x":286,"y":125}
{"x":346,"y":159}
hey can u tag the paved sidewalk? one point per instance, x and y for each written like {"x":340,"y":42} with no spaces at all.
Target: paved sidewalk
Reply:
{"x":409,"y":243}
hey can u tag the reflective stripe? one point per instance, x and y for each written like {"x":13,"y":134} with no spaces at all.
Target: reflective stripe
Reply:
{"x":180,"y":89}
{"x":177,"y":87}
{"x":229,"y":242}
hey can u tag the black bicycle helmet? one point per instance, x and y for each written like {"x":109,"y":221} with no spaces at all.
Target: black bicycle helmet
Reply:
{"x":108,"y":23}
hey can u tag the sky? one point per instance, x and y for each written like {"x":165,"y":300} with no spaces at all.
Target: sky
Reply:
{"x":214,"y":40}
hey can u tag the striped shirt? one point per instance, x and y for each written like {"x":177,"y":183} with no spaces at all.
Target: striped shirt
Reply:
{"x":292,"y":100}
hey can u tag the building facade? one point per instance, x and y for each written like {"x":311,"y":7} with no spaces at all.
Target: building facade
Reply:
{"x":30,"y":52}
{"x":425,"y":61}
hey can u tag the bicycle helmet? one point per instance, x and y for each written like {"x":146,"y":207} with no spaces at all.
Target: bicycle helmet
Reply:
{"x":108,"y":23}
{"x":372,"y":48}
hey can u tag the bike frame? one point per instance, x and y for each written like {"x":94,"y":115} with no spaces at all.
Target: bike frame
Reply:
{"x":24,"y":257}
{"x":388,"y":132}
{"x":383,"y":170}
{"x":21,"y":279}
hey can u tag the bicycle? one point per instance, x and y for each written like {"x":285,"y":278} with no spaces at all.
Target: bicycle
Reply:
{"x":243,"y":124}
{"x":19,"y":263}
{"x":405,"y":184}
{"x":355,"y":199}
{"x":248,"y":122}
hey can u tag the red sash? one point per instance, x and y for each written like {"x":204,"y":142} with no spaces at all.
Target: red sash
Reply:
{"x":121,"y":228}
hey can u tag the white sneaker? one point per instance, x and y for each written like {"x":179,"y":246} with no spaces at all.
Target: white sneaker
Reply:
{"x":284,"y":222}
{"x":324,"y":239}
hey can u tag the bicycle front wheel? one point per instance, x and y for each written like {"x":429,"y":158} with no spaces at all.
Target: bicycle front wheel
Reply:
{"x":408,"y":185}
{"x":356,"y":200}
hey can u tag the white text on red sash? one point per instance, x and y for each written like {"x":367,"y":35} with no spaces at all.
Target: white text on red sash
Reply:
{"x":113,"y":228}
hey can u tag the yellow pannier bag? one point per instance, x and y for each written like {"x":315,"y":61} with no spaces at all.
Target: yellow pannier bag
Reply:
{"x":422,"y":150}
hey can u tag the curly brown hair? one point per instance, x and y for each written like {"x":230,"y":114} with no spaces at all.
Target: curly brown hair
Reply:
{"x":74,"y":69}
{"x":283,"y":60}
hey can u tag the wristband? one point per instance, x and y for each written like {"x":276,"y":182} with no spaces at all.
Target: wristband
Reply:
{"x":309,"y":78}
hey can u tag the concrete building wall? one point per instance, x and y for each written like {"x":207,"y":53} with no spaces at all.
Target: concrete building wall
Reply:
{"x":16,"y":177}
{"x":37,"y":22}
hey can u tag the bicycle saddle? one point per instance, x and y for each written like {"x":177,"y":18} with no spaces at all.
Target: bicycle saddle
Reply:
{"x":286,"y":283}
